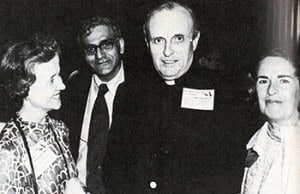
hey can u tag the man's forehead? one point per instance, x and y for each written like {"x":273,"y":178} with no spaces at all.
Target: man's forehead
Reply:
{"x":99,"y":32}
{"x":170,"y":22}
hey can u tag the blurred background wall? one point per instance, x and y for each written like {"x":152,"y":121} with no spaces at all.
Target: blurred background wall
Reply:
{"x":234,"y":33}
{"x":234,"y":29}
{"x":282,"y":25}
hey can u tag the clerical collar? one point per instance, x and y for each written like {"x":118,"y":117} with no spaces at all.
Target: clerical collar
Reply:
{"x":170,"y":82}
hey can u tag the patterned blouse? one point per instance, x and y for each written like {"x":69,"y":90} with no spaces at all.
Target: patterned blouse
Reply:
{"x":46,"y":143}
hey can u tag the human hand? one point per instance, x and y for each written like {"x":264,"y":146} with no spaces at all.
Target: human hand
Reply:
{"x":74,"y":186}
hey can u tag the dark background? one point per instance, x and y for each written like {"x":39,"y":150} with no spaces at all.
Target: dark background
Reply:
{"x":234,"y":30}
{"x":233,"y":35}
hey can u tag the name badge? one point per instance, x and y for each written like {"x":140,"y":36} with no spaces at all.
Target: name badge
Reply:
{"x":198,"y":99}
{"x":42,"y":158}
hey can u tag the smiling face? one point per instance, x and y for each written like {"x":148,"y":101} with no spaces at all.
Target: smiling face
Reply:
{"x":44,"y":93}
{"x":105,"y":63}
{"x":171,"y":42}
{"x":277,"y":89}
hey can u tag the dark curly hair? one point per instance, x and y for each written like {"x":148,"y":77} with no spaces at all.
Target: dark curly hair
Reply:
{"x":86,"y":26}
{"x":17,"y":67}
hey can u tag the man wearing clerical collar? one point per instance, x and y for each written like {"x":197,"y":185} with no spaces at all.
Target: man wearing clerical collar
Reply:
{"x":186,"y":124}
{"x":172,"y":37}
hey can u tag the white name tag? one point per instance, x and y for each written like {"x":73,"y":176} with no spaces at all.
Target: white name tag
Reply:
{"x":42,"y":158}
{"x":198,"y":99}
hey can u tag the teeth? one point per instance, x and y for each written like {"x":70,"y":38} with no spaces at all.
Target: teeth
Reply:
{"x":169,"y":61}
{"x":101,"y":62}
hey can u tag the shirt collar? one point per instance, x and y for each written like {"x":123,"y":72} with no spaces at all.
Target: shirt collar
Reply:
{"x":170,"y":82}
{"x":260,"y":140}
{"x":113,"y":83}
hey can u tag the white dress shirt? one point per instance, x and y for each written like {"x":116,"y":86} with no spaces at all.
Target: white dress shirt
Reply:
{"x":109,"y":98}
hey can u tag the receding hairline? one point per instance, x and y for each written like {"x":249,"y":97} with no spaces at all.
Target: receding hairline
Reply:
{"x":171,"y":6}
{"x":100,"y":27}
{"x":88,"y":25}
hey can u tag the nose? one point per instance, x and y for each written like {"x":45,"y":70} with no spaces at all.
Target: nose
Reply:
{"x":168,"y":50}
{"x":99,"y":53}
{"x":60,"y":84}
{"x":273,"y":88}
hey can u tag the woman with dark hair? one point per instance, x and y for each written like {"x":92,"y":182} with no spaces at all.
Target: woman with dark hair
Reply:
{"x":273,"y":160}
{"x":34,"y":148}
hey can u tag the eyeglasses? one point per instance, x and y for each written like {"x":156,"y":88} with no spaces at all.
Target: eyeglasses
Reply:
{"x":104,"y":46}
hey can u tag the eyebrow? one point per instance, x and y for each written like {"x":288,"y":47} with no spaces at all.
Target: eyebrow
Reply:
{"x":151,"y":38}
{"x":279,"y":76}
{"x":178,"y":35}
{"x":54,"y":75}
{"x":175,"y":35}
{"x":106,"y":39}
{"x":262,"y":76}
{"x":283,"y":76}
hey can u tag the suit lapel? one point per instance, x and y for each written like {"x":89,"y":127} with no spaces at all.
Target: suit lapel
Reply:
{"x":79,"y":99}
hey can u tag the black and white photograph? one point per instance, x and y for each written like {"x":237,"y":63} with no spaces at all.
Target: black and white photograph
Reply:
{"x":149,"y":96}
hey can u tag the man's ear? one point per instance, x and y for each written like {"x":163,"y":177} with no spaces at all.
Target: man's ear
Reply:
{"x":147,"y":43}
{"x":122,"y":45}
{"x":195,"y":40}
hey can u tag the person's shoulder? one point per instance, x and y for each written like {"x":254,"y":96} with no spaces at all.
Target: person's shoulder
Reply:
{"x":9,"y":136}
{"x":59,"y":127}
{"x":201,"y":78}
{"x":135,"y":79}
{"x":58,"y":124}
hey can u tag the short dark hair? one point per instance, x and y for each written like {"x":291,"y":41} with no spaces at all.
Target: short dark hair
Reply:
{"x":169,"y":6}
{"x":86,"y":26}
{"x":18,"y":62}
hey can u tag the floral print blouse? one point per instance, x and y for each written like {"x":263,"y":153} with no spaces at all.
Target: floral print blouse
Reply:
{"x":49,"y":148}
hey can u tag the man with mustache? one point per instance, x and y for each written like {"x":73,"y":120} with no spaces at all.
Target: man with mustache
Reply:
{"x":102,"y":161}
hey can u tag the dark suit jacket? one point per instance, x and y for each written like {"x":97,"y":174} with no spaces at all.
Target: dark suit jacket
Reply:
{"x":184,"y":150}
{"x":116,"y":176}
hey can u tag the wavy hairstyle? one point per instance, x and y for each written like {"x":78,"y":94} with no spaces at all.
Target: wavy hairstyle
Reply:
{"x":86,"y":27}
{"x":282,"y":54}
{"x":17,"y":66}
{"x":276,"y":52}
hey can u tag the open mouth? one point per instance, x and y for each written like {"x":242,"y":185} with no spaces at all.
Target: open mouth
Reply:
{"x":169,"y":62}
